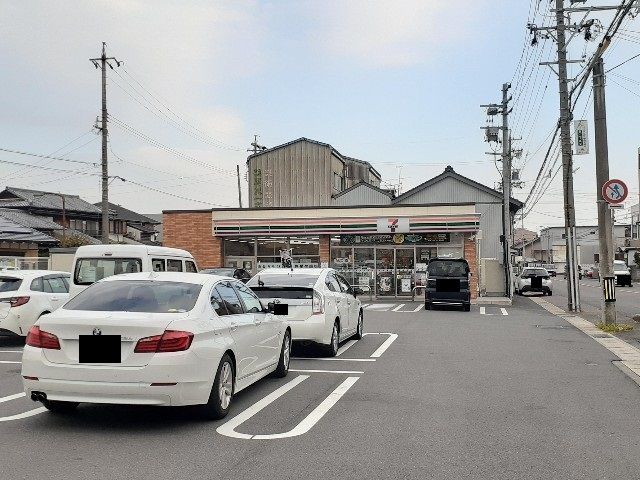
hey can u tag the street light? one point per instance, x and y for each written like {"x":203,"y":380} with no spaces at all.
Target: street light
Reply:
{"x":64,"y":212}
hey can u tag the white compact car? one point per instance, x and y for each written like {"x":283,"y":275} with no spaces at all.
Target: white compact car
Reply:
{"x":26,"y":295}
{"x":622,"y":273}
{"x":322,"y":306}
{"x":155,"y":339}
{"x":534,"y":279}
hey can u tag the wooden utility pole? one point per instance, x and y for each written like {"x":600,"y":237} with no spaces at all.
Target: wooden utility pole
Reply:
{"x":102,"y":62}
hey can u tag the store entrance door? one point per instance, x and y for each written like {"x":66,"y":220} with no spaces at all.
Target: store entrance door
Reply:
{"x":405,"y":266}
{"x":385,"y":272}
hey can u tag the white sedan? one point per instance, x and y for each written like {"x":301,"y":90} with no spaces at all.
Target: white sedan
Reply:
{"x":322,"y":306}
{"x":534,"y":279}
{"x":26,"y":295}
{"x":155,"y":339}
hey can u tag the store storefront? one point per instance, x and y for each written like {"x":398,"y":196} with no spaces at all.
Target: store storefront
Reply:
{"x":384,"y":250}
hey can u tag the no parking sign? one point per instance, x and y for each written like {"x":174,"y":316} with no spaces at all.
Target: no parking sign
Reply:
{"x":615,"y":191}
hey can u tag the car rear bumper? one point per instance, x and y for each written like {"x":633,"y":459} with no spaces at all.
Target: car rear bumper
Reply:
{"x":11,"y":323}
{"x":529,"y":288}
{"x":190,"y":376}
{"x":447,"y":298}
{"x":313,"y":329}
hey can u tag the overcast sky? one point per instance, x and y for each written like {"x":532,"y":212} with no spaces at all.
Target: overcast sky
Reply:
{"x":394,"y":83}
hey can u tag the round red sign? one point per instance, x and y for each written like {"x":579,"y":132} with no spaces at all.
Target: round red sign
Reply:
{"x":615,"y":191}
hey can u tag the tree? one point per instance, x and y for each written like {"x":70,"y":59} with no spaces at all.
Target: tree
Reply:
{"x":73,"y":240}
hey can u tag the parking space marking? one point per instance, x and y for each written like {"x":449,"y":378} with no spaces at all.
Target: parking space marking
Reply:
{"x":336,"y":359}
{"x":417,"y":309}
{"x":346,"y":347}
{"x":27,"y":414}
{"x":387,"y":343}
{"x":344,"y":372}
{"x":8,"y":398}
{"x":8,"y":361}
{"x":395,"y":309}
{"x":504,"y":311}
{"x":316,"y":414}
{"x":10,"y":351}
{"x":483,"y":311}
{"x":380,"y":306}
{"x":228,"y":429}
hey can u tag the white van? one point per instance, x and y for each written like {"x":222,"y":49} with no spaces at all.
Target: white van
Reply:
{"x":94,"y":262}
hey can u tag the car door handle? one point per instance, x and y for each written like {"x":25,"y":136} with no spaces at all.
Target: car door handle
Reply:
{"x":234,"y":326}
{"x":55,"y":298}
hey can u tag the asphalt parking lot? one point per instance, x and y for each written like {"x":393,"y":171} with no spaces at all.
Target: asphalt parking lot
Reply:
{"x":510,"y":392}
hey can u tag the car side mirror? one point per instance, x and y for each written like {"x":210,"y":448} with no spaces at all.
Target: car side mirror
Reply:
{"x":357,"y":291}
{"x":278,"y":308}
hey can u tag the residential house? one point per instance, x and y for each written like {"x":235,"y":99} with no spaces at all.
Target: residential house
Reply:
{"x":138,"y":228}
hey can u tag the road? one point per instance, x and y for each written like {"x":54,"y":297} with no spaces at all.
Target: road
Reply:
{"x":504,"y":394}
{"x":627,"y":298}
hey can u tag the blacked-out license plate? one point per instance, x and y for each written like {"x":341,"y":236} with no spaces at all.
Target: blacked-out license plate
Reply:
{"x":99,"y":349}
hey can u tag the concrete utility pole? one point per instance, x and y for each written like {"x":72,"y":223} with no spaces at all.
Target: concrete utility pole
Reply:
{"x":573,"y":287}
{"x":638,"y":220}
{"x":239,"y":188}
{"x":494,"y":109}
{"x":605,"y":223}
{"x":102,"y":62}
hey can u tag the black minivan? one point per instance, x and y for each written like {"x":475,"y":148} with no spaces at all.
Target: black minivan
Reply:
{"x":448,"y":283}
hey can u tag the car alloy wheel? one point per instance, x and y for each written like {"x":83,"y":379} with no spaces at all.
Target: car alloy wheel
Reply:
{"x":225,"y":387}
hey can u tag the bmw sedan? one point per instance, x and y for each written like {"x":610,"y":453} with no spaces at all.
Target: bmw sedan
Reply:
{"x":155,"y":339}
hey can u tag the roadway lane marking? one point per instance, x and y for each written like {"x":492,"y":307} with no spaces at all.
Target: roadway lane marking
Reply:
{"x":345,"y":372}
{"x":314,"y":417}
{"x":19,"y":416}
{"x":228,"y":428}
{"x":398,"y":307}
{"x":346,"y":347}
{"x":12,"y":397}
{"x":8,"y":361}
{"x":387,"y":343}
{"x":504,"y":311}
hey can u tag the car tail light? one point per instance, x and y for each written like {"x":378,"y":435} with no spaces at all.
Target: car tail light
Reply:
{"x":41,"y":339}
{"x":17,"y":301}
{"x":169,"y":341}
{"x":317,"y":304}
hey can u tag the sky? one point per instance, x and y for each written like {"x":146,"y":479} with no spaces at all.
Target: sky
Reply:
{"x":396,"y":83}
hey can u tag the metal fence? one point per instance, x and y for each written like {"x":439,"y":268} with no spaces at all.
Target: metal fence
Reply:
{"x":24,"y":263}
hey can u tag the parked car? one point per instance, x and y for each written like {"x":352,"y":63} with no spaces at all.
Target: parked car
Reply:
{"x":322,"y":306}
{"x":26,"y":295}
{"x":551,"y":268}
{"x":237,"y":273}
{"x":534,"y":280}
{"x":155,"y":339}
{"x":622,"y":273}
{"x":448,"y":283}
{"x":94,"y":262}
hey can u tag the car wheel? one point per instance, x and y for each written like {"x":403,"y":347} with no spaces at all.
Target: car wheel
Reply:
{"x":467,"y":307}
{"x":285,"y":357}
{"x":549,"y":293}
{"x":332,"y":348}
{"x":63,"y":408}
{"x":427,"y":306}
{"x":360,"y":327}
{"x":221,"y":394}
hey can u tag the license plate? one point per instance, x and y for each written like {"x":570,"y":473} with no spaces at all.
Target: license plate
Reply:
{"x":99,"y":349}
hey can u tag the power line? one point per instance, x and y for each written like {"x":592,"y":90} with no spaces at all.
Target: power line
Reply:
{"x":48,"y":156}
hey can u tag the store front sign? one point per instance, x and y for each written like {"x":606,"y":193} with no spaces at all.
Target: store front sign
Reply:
{"x":393,"y":225}
{"x":396,"y":239}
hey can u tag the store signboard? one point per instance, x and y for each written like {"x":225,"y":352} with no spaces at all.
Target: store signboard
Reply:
{"x":393,"y":225}
{"x":396,"y":239}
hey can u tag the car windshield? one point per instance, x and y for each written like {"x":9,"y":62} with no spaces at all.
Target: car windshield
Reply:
{"x":447,"y":268}
{"x":9,"y":284}
{"x":283,"y":280}
{"x":90,"y":270}
{"x":137,"y":296}
{"x":620,"y":264}
{"x":535,"y":272}
{"x":227,"y":272}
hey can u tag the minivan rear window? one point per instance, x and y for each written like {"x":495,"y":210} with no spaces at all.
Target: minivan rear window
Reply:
{"x":136,"y":296}
{"x":9,"y":284}
{"x":447,"y":268}
{"x":90,"y":270}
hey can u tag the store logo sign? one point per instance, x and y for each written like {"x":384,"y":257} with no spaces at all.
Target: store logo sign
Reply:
{"x":393,"y":225}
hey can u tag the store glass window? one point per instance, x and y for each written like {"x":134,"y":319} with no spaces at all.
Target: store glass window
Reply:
{"x":239,"y":247}
{"x":364,"y":269}
{"x":271,"y":246}
{"x":342,"y":261}
{"x":424,"y":254}
{"x":451,"y":252}
{"x":305,"y":251}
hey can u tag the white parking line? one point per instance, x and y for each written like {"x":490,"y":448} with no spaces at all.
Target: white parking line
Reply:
{"x":504,"y":311}
{"x":11,"y":397}
{"x":346,"y":347}
{"x":228,"y":428}
{"x":345,"y":372}
{"x":380,"y":306}
{"x":336,"y":359}
{"x":314,"y":417}
{"x":10,"y":351}
{"x":418,"y":308}
{"x":30,"y":413}
{"x":387,"y":343}
{"x":8,"y":361}
{"x":398,"y":307}
{"x":483,"y":311}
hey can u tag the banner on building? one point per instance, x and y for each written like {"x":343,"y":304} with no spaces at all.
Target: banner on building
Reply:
{"x":582,"y":137}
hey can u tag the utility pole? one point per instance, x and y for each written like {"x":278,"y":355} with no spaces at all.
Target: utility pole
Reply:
{"x":492,"y":136}
{"x":638,"y":224}
{"x":239,"y":188}
{"x":605,"y":221}
{"x":102,"y":62}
